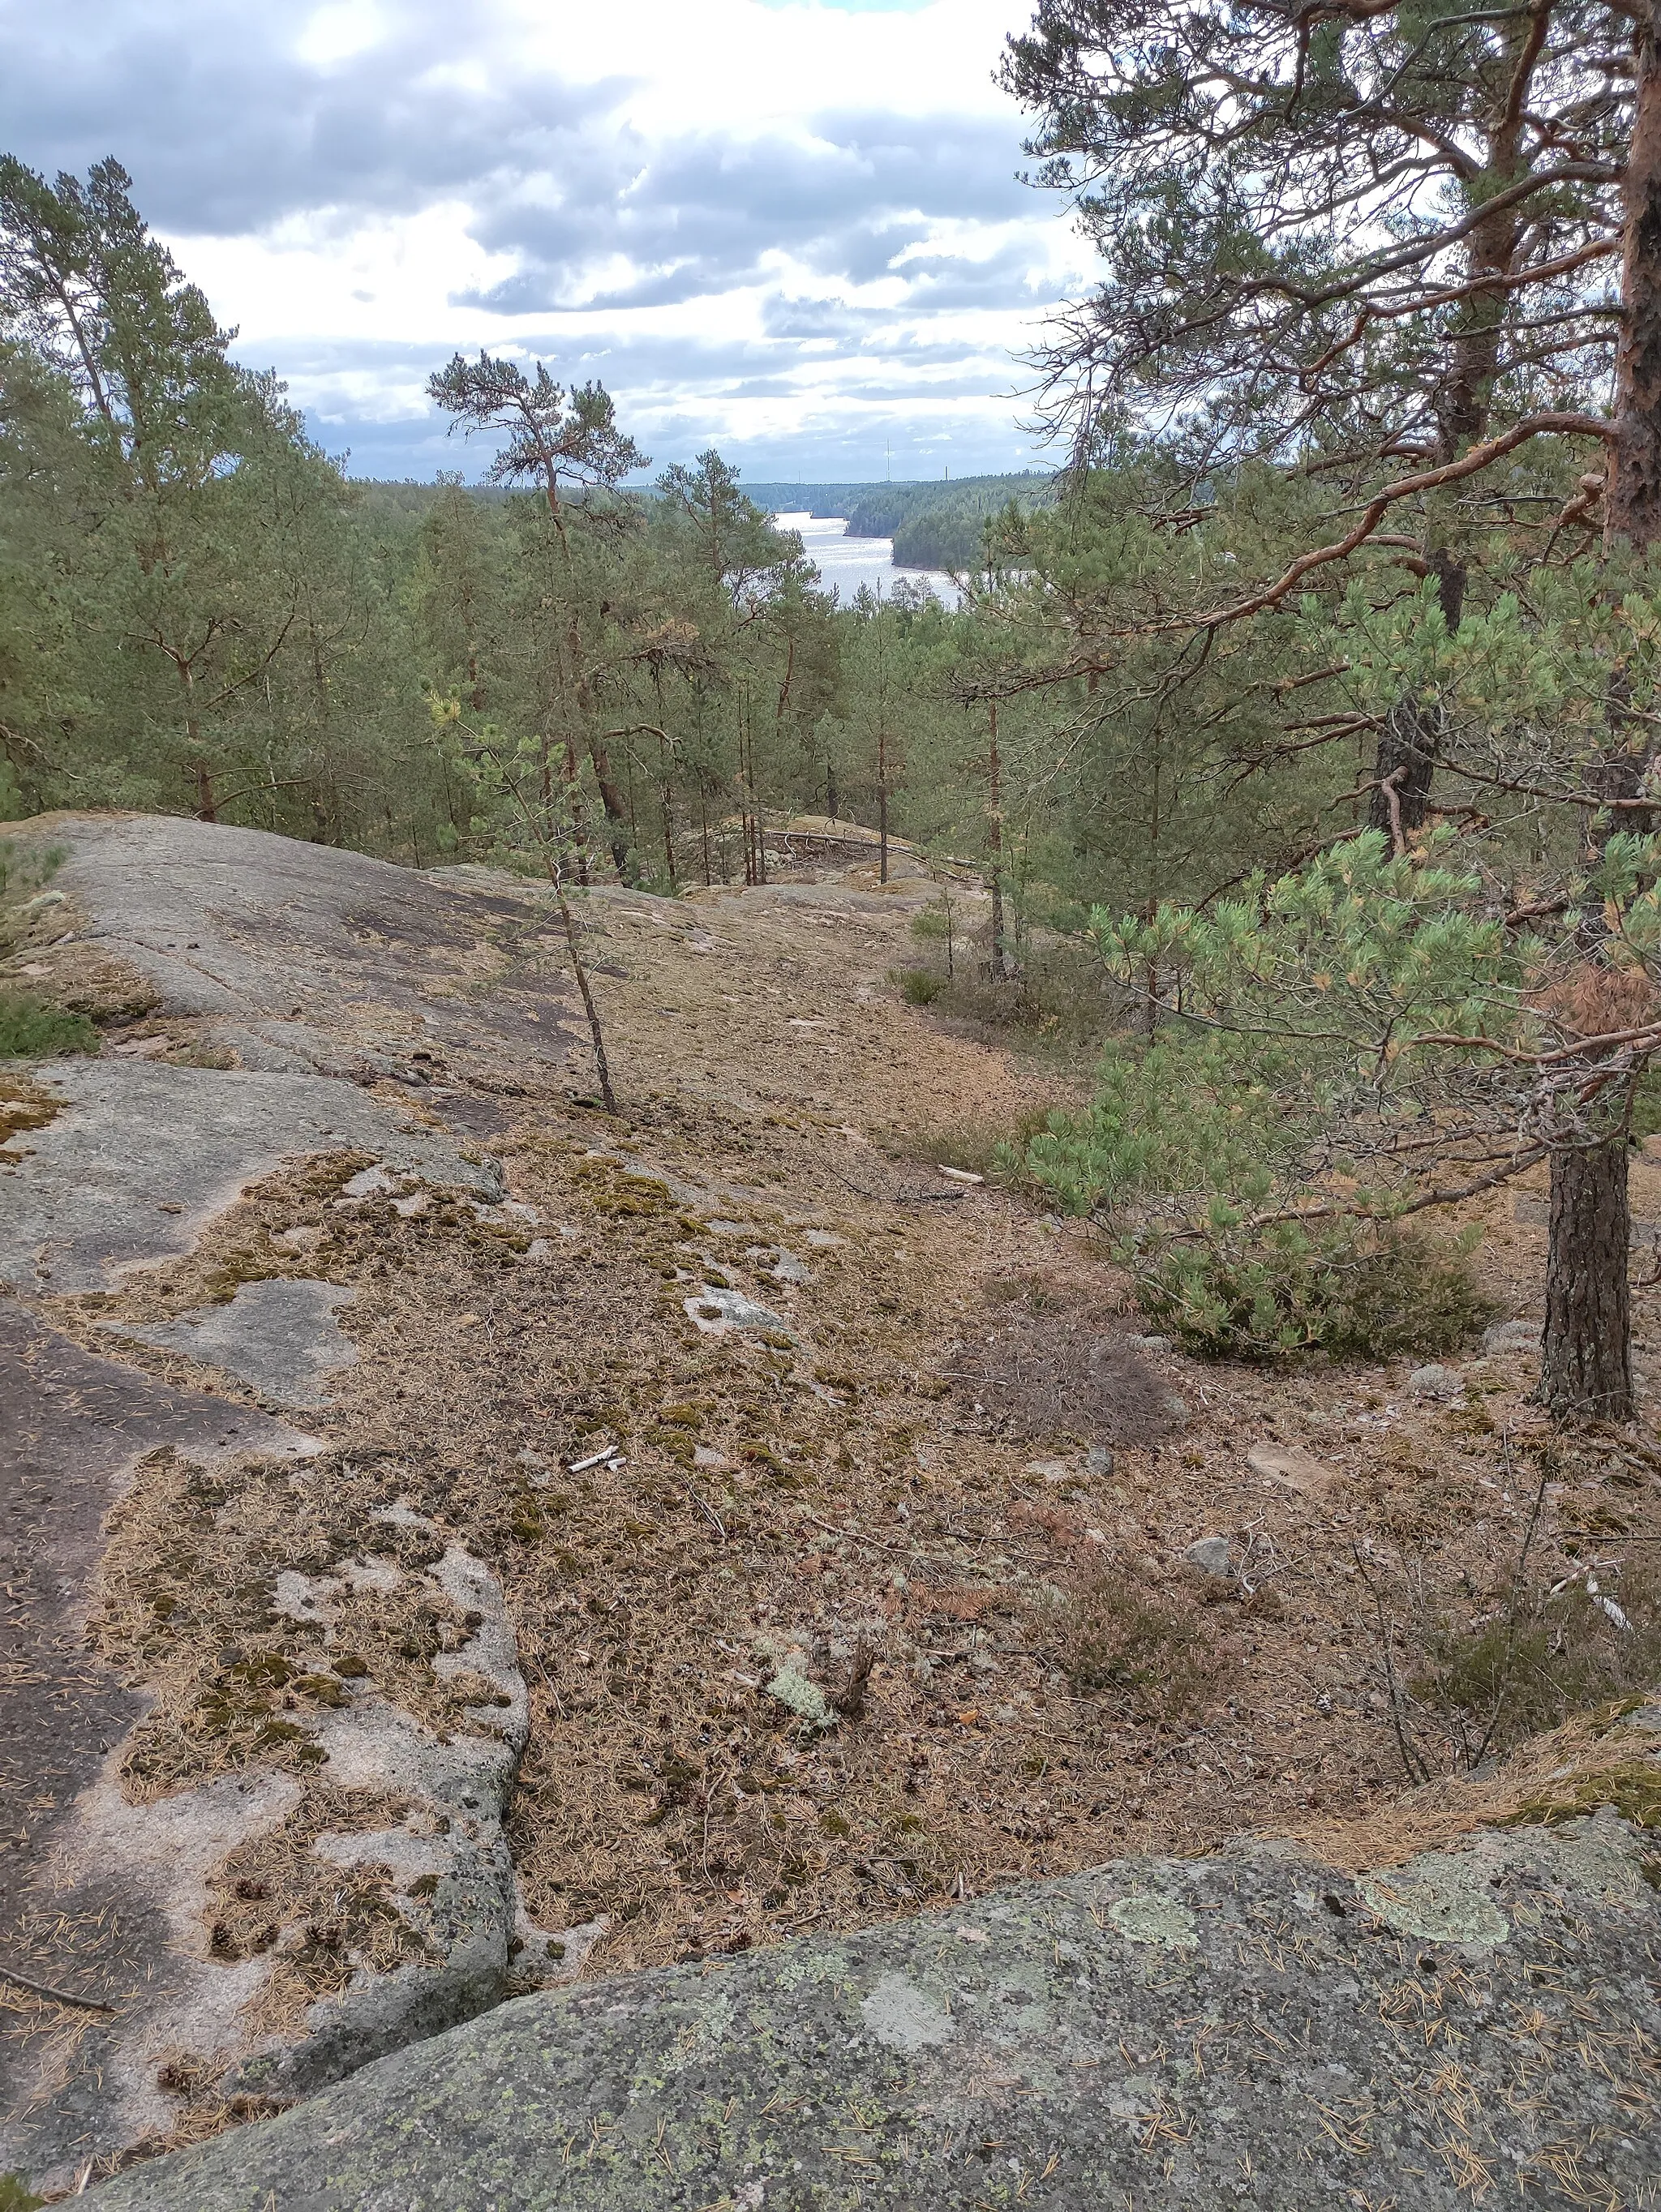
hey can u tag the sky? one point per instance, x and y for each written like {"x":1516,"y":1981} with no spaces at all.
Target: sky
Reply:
{"x":788,"y":229}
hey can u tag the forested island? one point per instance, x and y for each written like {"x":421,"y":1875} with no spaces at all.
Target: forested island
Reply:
{"x":934,"y":525}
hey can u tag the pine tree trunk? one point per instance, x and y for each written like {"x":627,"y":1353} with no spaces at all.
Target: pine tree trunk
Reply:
{"x":1408,"y":746}
{"x":1587,"y":1367}
{"x":1633,"y":507}
{"x":1587,"y":1364}
{"x":616,"y":814}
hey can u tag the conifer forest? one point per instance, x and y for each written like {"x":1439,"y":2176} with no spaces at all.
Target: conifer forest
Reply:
{"x":1304,"y":720}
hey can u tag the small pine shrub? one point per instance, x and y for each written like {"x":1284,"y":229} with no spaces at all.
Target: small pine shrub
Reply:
{"x":31,"y":1028}
{"x":1353,"y":1291}
{"x":920,"y":986}
{"x":16,"y":2196}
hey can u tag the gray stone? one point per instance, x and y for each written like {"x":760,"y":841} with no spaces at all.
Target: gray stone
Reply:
{"x":1443,"y":1384}
{"x":304,"y":956}
{"x":157,"y":1859}
{"x":1038,"y":2046}
{"x":1512,"y":1336}
{"x":311,"y":965}
{"x":368,"y":1183}
{"x":1150,"y":1344}
{"x":1209,"y":1554}
{"x":1098,"y":1460}
{"x":717,"y":1309}
{"x":279,"y":1336}
{"x":74,"y":1427}
{"x":87,"y":1200}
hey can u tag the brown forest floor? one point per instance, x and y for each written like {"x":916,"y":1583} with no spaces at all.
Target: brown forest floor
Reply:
{"x":830,"y":1487}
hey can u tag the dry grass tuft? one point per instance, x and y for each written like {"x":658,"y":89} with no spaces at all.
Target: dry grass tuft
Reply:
{"x":1048,"y":1371}
{"x":1147,"y":1658}
{"x":1540,"y":1651}
{"x":24,"y":1105}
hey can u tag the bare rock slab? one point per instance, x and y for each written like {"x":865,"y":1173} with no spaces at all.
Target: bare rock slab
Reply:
{"x":1293,"y":1468}
{"x":71,"y":1427}
{"x":279,"y":1336}
{"x":302,"y":956}
{"x":1171,"y":2032}
{"x":143,"y":1156}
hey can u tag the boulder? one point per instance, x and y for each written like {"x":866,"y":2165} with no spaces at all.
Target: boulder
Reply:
{"x":1442,"y":1384}
{"x":1209,"y":1554}
{"x":1254,"y":2029}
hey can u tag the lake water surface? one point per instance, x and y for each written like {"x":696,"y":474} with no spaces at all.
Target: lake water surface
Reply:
{"x":845,"y":563}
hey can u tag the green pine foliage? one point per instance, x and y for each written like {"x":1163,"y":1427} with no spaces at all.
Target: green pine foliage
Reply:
{"x":1335,"y":1050}
{"x":1320,"y":1034}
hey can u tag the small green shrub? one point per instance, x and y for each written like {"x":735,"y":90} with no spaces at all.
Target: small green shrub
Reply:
{"x":1354,"y":1292}
{"x":920,"y":986}
{"x":1058,"y":1006}
{"x":32,"y":1028}
{"x":1542,"y":1655}
{"x":16,"y":2196}
{"x":994,"y":1149}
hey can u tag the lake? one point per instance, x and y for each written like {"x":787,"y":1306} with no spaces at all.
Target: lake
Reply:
{"x":844,"y":563}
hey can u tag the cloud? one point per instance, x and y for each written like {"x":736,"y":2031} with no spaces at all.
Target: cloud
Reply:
{"x":779,"y":222}
{"x":228,"y":128}
{"x":847,"y":196}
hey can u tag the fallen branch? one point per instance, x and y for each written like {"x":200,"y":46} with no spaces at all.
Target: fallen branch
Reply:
{"x":56,"y":1997}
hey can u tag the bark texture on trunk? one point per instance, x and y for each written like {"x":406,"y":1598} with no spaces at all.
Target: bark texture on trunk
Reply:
{"x":616,"y":814}
{"x":1408,"y":746}
{"x":1587,"y":1367}
{"x":1632,"y":508}
{"x":1587,"y":1364}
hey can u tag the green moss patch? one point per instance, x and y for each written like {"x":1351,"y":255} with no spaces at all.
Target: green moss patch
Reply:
{"x":33,"y":1028}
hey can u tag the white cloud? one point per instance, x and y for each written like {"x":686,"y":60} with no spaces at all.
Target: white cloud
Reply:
{"x":336,"y":32}
{"x":791,"y":229}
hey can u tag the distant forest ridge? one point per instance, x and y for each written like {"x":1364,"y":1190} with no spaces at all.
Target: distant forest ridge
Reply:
{"x":934,"y":525}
